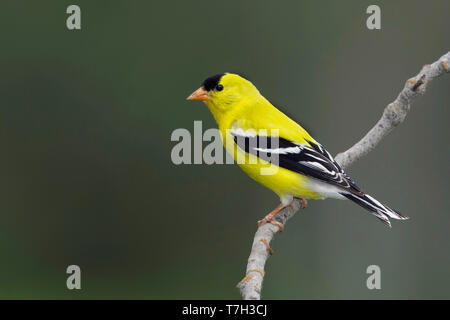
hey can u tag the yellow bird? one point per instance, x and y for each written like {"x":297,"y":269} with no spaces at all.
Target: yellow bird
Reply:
{"x":277,"y":152}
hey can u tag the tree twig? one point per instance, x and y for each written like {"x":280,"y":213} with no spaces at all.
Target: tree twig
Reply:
{"x":394,"y":114}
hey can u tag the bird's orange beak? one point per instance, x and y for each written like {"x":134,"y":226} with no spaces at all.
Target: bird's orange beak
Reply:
{"x":199,"y":94}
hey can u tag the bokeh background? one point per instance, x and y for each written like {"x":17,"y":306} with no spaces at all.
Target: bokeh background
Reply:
{"x":87,"y":179}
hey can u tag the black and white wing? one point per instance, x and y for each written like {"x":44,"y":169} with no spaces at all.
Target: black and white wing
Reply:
{"x":310,"y":160}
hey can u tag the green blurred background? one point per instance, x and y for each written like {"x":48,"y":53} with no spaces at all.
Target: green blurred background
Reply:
{"x":86,"y":175}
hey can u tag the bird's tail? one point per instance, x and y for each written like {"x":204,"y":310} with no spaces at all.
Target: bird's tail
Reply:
{"x":376,"y":208}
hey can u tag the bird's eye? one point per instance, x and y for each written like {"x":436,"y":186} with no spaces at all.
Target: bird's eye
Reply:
{"x":219,"y":87}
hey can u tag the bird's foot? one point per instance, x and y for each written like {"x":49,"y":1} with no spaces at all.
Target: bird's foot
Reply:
{"x":278,"y":224}
{"x":304,"y":202}
{"x":269,"y":218}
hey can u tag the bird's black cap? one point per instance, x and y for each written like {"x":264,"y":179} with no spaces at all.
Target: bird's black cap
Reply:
{"x":212,"y":82}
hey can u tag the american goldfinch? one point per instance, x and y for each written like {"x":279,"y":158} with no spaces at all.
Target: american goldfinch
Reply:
{"x":304,"y":168}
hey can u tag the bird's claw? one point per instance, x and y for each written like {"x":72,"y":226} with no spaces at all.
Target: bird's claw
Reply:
{"x":304,"y":203}
{"x":278,"y":224}
{"x":270,"y":219}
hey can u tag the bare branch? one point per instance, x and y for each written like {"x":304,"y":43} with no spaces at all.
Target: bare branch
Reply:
{"x":394,"y":114}
{"x":250,"y":286}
